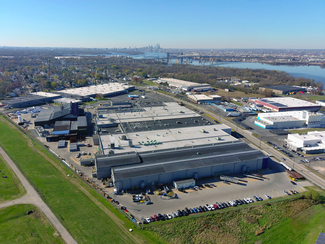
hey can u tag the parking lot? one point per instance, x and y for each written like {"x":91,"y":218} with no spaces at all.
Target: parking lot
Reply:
{"x":274,"y":186}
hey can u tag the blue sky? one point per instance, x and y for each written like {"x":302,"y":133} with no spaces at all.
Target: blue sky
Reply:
{"x":172,"y":24}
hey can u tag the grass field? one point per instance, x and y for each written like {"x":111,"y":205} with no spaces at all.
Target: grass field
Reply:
{"x":289,"y":221}
{"x":237,"y":94}
{"x":18,"y":227}
{"x":10,"y":187}
{"x":87,"y":215}
{"x":313,"y":97}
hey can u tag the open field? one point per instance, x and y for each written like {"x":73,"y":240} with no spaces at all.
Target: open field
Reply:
{"x":291,"y":221}
{"x":86,"y":215}
{"x":237,"y":94}
{"x":18,"y":227}
{"x":10,"y":187}
{"x":313,"y":97}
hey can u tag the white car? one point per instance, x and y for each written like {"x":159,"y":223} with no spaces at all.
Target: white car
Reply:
{"x":148,"y":220}
{"x":267,"y":196}
{"x":209,"y":208}
{"x":174,"y":214}
{"x":169,"y":216}
{"x":212,"y":207}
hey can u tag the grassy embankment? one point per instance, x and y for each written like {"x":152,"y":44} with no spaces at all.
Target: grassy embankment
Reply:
{"x":18,"y":227}
{"x":10,"y":187}
{"x":87,"y":215}
{"x":292,"y":220}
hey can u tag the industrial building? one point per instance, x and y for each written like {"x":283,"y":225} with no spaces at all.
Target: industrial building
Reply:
{"x":283,"y":104}
{"x":67,"y":121}
{"x":32,"y":99}
{"x":321,"y":102}
{"x":291,"y":119}
{"x":89,"y":92}
{"x":283,"y":89}
{"x":165,"y":166}
{"x":64,"y":100}
{"x":166,"y":143}
{"x":201,"y":98}
{"x":313,"y":142}
{"x":47,"y":117}
{"x":186,"y":85}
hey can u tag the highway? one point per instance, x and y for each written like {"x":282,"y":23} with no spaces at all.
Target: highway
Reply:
{"x":301,"y":169}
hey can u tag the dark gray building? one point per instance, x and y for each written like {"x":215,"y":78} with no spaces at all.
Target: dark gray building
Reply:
{"x":29,"y":100}
{"x":131,"y":170}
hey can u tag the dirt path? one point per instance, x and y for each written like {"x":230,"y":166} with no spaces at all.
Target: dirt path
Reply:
{"x":32,"y":197}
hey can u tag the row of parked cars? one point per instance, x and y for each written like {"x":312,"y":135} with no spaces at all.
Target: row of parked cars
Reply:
{"x":204,"y":208}
{"x":289,"y":149}
{"x":290,"y":192}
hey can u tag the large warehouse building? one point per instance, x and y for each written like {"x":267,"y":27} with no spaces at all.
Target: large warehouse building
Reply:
{"x":313,"y":142}
{"x":105,"y":90}
{"x":283,"y":104}
{"x":186,"y":85}
{"x":291,"y":119}
{"x":284,"y":90}
{"x":165,"y":143}
{"x":32,"y":99}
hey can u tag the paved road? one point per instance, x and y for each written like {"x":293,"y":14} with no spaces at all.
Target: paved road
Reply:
{"x":320,"y":182}
{"x":32,"y":197}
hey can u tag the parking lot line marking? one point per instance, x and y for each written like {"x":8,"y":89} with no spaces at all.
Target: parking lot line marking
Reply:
{"x":300,"y":190}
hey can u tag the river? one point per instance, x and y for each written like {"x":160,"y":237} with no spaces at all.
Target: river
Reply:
{"x":309,"y":72}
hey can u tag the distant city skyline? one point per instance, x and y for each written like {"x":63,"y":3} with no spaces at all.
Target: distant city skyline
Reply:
{"x":233,"y":24}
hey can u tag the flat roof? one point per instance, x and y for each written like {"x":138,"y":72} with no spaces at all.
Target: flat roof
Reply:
{"x":46,"y":94}
{"x":152,"y":140}
{"x":28,"y":98}
{"x":200,"y":97}
{"x":183,"y":83}
{"x":66,"y":100}
{"x":98,"y":89}
{"x":286,"y":102}
{"x":169,"y":111}
{"x":188,"y":158}
{"x":281,"y":118}
{"x":82,"y":121}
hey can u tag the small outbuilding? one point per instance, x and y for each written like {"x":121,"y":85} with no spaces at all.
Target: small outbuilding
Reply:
{"x":183,"y":184}
{"x":61,"y":144}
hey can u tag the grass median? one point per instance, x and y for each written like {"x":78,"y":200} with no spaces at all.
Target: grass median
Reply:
{"x":16,"y":226}
{"x":87,"y":215}
{"x":10,"y":186}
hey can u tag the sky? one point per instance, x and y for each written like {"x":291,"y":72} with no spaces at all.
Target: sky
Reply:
{"x":215,"y":24}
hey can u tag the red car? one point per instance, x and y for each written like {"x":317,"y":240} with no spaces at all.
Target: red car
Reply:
{"x":215,"y":206}
{"x":156,"y":217}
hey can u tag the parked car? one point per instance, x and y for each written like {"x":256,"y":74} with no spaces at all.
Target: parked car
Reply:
{"x":267,"y":196}
{"x":286,"y":192}
{"x":148,"y":220}
{"x":169,"y":216}
{"x":293,"y":183}
{"x":152,"y":219}
{"x":156,"y":217}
